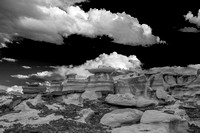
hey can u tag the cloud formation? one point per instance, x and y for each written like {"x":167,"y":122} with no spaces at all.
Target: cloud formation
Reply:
{"x":51,"y":20}
{"x":8,"y":59}
{"x":193,"y":19}
{"x":189,"y":29}
{"x":114,"y":60}
{"x":26,"y":67}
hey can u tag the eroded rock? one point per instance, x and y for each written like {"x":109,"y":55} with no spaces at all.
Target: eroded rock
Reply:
{"x":74,"y":99}
{"x":121,"y":116}
{"x":129,"y":100}
{"x":85,"y":114}
{"x":91,"y":95}
{"x":173,"y":123}
{"x":141,"y":128}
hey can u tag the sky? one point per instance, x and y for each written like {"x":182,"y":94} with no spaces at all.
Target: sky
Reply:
{"x":71,"y":32}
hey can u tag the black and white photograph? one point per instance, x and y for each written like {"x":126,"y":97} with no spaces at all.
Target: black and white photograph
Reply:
{"x":99,"y":66}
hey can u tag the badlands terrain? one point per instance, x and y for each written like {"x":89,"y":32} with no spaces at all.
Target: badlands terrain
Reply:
{"x":158,"y":100}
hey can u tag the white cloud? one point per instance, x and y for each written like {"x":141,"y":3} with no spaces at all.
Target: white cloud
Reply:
{"x":114,"y":60}
{"x":26,"y":67}
{"x":193,"y":19}
{"x":189,"y":29}
{"x":9,"y":59}
{"x":49,"y":20}
{"x":15,"y":89}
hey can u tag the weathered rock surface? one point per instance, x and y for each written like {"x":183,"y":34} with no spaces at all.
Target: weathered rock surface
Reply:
{"x":74,"y":99}
{"x":85,"y":114}
{"x":129,"y":100}
{"x":121,"y":99}
{"x":99,"y":103}
{"x":173,"y":123}
{"x":121,"y":116}
{"x":151,"y":116}
{"x":141,"y":128}
{"x":91,"y":95}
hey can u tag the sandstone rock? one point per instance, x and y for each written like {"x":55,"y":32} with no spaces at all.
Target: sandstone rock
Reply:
{"x":5,"y":100}
{"x":122,"y":87}
{"x":121,"y":99}
{"x":91,"y":95}
{"x":14,"y":103}
{"x":36,"y":100}
{"x":138,"y":85}
{"x":173,"y":123}
{"x":74,"y":85}
{"x":156,"y":81}
{"x":198,"y":103}
{"x":129,"y":100}
{"x":163,"y":95}
{"x":34,"y":90}
{"x":140,"y":128}
{"x":121,"y":116}
{"x":144,"y":102}
{"x":55,"y":107}
{"x":85,"y":114}
{"x":184,"y":91}
{"x":74,"y":99}
{"x":100,"y":82}
{"x":151,"y":116}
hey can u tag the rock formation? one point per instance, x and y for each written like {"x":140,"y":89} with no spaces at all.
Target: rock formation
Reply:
{"x":159,"y":100}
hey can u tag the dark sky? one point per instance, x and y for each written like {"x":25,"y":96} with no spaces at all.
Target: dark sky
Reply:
{"x":165,"y":19}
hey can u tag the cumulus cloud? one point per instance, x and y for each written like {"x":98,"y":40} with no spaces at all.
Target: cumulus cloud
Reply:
{"x":51,"y":20}
{"x":114,"y":60}
{"x":193,"y":19}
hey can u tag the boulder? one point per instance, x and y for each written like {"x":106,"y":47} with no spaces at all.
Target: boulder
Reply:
{"x":129,"y":100}
{"x":174,"y":123}
{"x":140,"y":128}
{"x":121,"y":99}
{"x":151,"y":116}
{"x":121,"y":116}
